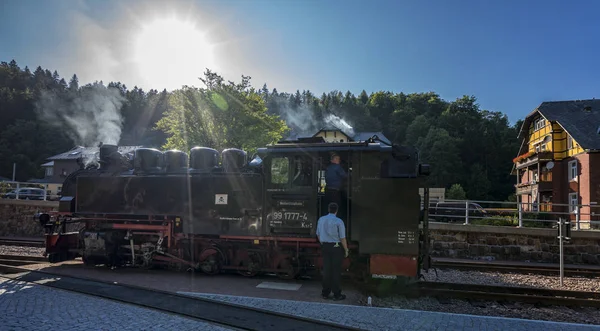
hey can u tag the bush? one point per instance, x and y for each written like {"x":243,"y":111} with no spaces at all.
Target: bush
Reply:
{"x":497,"y":221}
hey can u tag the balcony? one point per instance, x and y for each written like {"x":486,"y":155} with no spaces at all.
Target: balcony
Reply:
{"x":529,"y":159}
{"x":528,"y":188}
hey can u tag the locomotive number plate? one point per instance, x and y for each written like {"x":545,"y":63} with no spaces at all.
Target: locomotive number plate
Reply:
{"x":290,"y":216}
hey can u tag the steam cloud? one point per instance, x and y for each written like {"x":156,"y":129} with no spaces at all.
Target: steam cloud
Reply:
{"x":340,"y":123}
{"x":89,"y":116}
{"x":302,"y":120}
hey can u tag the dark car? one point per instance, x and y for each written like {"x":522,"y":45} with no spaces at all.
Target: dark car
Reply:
{"x":25,"y":193}
{"x":455,"y":211}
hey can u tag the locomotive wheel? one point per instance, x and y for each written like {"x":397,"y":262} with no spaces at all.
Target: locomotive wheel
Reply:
{"x":252,"y":263}
{"x":288,"y":270}
{"x":212,"y":264}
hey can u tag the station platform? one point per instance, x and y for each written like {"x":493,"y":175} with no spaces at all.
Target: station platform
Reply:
{"x":372,"y":318}
{"x":28,"y":306}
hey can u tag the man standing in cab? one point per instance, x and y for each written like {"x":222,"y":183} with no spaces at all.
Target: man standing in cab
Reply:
{"x":334,"y":179}
{"x":331,"y":232}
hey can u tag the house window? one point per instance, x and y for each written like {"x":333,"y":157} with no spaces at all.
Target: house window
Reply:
{"x":569,"y":142}
{"x":49,"y":171}
{"x":573,"y":201}
{"x":539,"y":124}
{"x":572,"y":170}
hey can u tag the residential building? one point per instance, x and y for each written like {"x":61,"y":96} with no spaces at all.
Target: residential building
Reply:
{"x":61,"y":165}
{"x":560,"y":143}
{"x":331,"y":133}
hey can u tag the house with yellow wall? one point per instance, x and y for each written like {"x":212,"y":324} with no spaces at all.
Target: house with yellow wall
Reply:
{"x":560,"y":145}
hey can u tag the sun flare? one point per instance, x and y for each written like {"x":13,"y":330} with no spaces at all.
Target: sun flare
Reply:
{"x":171,"y":53}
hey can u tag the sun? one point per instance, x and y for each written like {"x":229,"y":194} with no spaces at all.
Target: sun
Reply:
{"x":170,"y":53}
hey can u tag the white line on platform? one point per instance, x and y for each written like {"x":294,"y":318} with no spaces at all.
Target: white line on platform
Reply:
{"x":279,"y":286}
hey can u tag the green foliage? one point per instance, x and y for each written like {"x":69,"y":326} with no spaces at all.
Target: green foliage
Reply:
{"x":463,"y":143}
{"x":496,"y":221}
{"x":513,"y":220}
{"x":456,"y":192}
{"x":219,"y":116}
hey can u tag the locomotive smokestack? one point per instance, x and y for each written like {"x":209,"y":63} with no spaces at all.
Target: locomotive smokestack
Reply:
{"x":107,"y":154}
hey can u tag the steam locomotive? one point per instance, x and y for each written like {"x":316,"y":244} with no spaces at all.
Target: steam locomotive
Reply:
{"x":217,"y":212}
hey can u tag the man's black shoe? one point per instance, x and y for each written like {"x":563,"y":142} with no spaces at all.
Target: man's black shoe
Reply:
{"x":340,"y":297}
{"x":326,"y":297}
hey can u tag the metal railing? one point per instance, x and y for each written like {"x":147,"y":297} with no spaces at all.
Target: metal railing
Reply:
{"x":28,"y":191}
{"x":516,"y":214}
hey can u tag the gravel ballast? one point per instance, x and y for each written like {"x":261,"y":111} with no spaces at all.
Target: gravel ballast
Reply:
{"x":585,"y":315}
{"x":514,"y":279}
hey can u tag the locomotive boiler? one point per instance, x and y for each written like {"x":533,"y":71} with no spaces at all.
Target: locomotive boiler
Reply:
{"x":215,"y":212}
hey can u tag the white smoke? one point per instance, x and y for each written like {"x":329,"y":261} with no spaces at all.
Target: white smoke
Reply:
{"x":340,"y":123}
{"x":88,"y":116}
{"x":301,"y":119}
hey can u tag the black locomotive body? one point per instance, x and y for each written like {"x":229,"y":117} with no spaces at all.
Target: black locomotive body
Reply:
{"x":260,"y":216}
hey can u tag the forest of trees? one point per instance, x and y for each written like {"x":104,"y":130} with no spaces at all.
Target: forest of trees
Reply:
{"x":41,"y":114}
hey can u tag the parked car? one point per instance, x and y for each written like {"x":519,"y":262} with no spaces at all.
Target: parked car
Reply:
{"x":25,"y":193}
{"x":454,"y":211}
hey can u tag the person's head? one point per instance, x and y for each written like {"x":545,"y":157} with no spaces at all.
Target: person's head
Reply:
{"x":333,"y":208}
{"x":335,"y":159}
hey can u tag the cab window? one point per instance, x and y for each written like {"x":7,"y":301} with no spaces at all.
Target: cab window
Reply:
{"x":280,"y":167}
{"x":302,"y":171}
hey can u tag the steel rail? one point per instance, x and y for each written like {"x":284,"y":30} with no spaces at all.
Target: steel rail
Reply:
{"x":508,"y":293}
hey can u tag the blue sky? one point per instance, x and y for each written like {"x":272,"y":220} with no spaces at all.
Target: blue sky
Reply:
{"x":510,"y":54}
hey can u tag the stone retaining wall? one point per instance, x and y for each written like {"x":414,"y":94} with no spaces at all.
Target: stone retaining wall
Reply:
{"x":512,"y":244}
{"x":17,"y":217}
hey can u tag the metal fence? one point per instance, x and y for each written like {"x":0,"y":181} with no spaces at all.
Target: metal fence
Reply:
{"x":518,"y":214}
{"x":29,"y":191}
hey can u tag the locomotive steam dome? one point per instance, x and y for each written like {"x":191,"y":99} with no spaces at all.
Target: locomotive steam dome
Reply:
{"x":148,"y":160}
{"x":203,"y":159}
{"x":233,"y":159}
{"x":175,"y":161}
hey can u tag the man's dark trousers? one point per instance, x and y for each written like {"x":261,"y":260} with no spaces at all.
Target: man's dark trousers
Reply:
{"x":333,"y":195}
{"x":332,"y":268}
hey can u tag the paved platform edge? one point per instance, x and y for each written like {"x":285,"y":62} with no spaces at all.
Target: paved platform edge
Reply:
{"x":481,"y":317}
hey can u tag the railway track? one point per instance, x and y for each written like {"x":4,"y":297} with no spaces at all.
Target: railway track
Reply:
{"x":507,"y":294}
{"x":207,"y":310}
{"x":20,"y":260}
{"x":25,"y":242}
{"x":535,"y":268}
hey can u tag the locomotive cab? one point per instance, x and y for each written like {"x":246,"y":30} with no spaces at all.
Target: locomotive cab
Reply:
{"x":380,"y":198}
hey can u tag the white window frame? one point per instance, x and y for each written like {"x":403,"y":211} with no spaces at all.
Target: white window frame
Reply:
{"x":49,"y":171}
{"x":569,"y":142}
{"x":573,"y":202}
{"x":572,"y":170}
{"x":540,"y":123}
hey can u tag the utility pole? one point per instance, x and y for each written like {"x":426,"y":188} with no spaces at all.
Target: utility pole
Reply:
{"x":564,"y":233}
{"x":14,"y":170}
